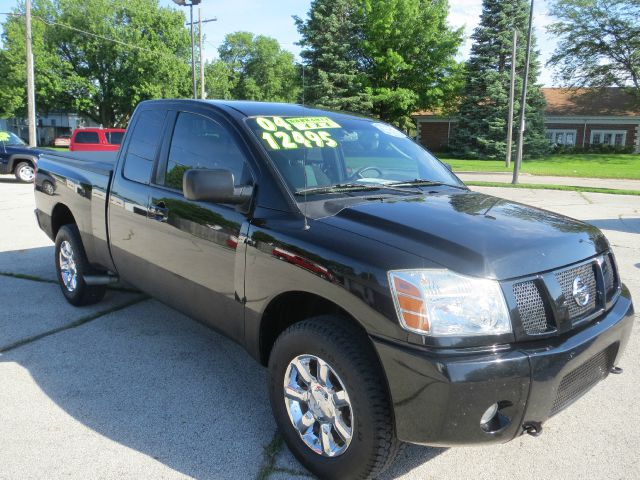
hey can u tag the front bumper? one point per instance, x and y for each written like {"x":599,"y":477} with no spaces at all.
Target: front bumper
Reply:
{"x":439,"y":396}
{"x":4,"y":168}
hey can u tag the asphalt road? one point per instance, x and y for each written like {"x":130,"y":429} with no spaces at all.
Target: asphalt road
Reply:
{"x":131,"y":389}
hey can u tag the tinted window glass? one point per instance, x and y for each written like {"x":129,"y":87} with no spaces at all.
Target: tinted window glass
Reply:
{"x":145,"y":139}
{"x":87,"y":137}
{"x":115,"y":138}
{"x":199,"y":142}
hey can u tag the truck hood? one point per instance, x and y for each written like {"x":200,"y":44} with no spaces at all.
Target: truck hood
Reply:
{"x":474,"y":234}
{"x":13,"y":149}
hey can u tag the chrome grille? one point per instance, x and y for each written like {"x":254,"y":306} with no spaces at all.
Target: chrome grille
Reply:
{"x":566,"y":278}
{"x":580,"y":380}
{"x":531,"y":308}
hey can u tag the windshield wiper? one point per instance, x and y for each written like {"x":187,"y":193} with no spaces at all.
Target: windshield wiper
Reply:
{"x":353,"y":187}
{"x":418,"y":182}
{"x":341,"y":187}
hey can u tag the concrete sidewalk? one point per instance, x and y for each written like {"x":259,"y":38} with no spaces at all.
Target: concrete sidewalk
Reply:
{"x":505,"y":177}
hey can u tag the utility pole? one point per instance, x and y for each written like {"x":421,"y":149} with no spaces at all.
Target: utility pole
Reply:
{"x":200,"y":22}
{"x":512,"y":92}
{"x":31,"y":96}
{"x":201,"y":54}
{"x":183,"y":3}
{"x":523,"y":103}
{"x":193,"y":53}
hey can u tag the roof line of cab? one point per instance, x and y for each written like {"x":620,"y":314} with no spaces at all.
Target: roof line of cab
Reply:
{"x":250,"y":108}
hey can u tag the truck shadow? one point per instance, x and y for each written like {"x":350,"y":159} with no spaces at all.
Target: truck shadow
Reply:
{"x":155,"y":381}
{"x":413,"y":457}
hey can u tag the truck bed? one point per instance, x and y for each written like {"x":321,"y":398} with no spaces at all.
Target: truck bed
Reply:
{"x":80,"y":183}
{"x":101,"y":163}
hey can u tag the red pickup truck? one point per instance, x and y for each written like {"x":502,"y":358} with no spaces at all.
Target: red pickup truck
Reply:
{"x":96,"y":139}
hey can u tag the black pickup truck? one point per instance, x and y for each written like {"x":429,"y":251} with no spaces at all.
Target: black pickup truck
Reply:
{"x":390,"y":303}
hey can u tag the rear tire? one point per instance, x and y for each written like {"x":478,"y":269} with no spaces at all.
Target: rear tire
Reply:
{"x":25,"y":172}
{"x":366,"y":419}
{"x":72,"y":265}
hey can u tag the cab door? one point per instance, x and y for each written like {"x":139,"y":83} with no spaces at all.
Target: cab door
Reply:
{"x":197,"y":260}
{"x":128,"y":225}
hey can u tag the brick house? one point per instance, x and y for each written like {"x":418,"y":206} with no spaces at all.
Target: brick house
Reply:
{"x":572,"y":117}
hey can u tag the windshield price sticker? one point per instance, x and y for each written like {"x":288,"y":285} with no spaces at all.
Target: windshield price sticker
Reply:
{"x":312,"y":123}
{"x":302,"y":132}
{"x":4,"y":137}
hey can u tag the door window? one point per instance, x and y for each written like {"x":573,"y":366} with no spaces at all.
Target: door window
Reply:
{"x":199,"y":142}
{"x":145,"y":140}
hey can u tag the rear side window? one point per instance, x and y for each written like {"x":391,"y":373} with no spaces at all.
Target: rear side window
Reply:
{"x":199,"y":142}
{"x":87,"y":137}
{"x":114,"y":138}
{"x":145,"y":139}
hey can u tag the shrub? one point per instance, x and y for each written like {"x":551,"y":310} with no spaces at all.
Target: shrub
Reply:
{"x":593,"y":148}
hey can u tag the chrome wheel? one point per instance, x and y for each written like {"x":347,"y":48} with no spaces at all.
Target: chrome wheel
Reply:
{"x":26,"y":173}
{"x":47,"y":187}
{"x":68,"y":269}
{"x":318,"y":405}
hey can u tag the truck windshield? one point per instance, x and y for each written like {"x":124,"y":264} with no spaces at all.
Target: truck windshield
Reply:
{"x":9,"y":138}
{"x":329,"y":154}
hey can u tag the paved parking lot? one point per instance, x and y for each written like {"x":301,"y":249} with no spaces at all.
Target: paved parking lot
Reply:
{"x":129,"y":388}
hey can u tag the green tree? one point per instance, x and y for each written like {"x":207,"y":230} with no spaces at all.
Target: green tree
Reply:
{"x":482,"y":124}
{"x":49,"y":81}
{"x":134,"y":50}
{"x":219,"y":80}
{"x":258,"y":69}
{"x":410,"y":54}
{"x":332,"y":50}
{"x":599,"y":42}
{"x":382,"y":57}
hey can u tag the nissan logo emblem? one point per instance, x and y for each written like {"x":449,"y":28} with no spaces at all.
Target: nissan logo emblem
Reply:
{"x":580,"y":292}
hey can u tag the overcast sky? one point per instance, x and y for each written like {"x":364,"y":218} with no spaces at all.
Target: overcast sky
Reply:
{"x":273,"y":18}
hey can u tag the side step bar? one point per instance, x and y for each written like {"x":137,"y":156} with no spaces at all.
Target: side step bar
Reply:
{"x":100,"y":279}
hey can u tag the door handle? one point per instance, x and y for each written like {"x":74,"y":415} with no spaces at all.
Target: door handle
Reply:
{"x":159,"y":212}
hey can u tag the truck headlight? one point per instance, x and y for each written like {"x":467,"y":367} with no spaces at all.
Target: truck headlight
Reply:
{"x":441,"y":303}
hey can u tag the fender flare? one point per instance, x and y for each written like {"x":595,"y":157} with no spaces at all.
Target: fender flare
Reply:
{"x":18,"y":157}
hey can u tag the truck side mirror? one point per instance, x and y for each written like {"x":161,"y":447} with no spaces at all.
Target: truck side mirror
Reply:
{"x":213,"y":186}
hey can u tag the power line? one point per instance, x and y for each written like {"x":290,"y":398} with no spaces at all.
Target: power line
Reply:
{"x":95,"y":35}
{"x":91,"y":34}
{"x":137,"y":47}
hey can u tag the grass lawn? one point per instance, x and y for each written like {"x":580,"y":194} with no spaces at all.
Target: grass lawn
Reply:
{"x":578,"y":165}
{"x":537,"y":186}
{"x":60,"y":149}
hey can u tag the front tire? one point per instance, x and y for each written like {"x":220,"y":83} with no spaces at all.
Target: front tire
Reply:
{"x":25,"y":172}
{"x":330,"y":400}
{"x":72,"y":265}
